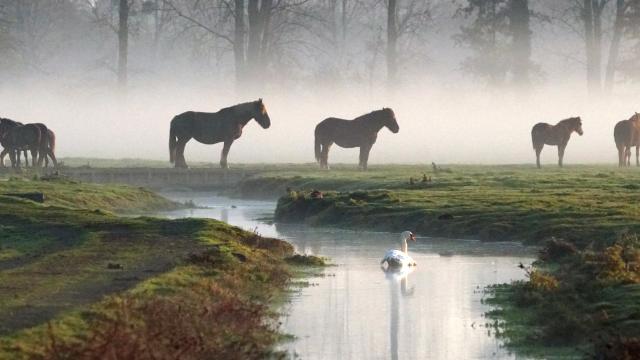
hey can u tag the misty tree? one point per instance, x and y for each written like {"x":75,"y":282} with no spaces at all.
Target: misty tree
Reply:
{"x":630,"y":66}
{"x":123,"y":40}
{"x":329,"y":25}
{"x":499,"y":37}
{"x":593,"y":14}
{"x":405,"y":19}
{"x":486,"y":37}
{"x":252,"y":29}
{"x":117,"y":16}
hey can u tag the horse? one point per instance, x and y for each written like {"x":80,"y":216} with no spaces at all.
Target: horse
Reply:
{"x":360,"y":132}
{"x":626,"y":134}
{"x":51,"y":149}
{"x":20,"y":137}
{"x":559,"y":134}
{"x":210,"y":128}
{"x":47,"y":147}
{"x":6,"y":125}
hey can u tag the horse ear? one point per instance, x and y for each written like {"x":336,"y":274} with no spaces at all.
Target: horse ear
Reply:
{"x":260,"y":100}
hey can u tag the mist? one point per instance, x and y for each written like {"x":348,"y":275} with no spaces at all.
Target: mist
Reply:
{"x":66,"y":78}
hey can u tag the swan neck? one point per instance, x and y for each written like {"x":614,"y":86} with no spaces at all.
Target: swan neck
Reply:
{"x":404,"y":246}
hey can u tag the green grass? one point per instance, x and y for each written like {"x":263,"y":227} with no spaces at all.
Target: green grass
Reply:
{"x":514,"y":202}
{"x":582,"y":302}
{"x":62,"y":192}
{"x":70,"y":269}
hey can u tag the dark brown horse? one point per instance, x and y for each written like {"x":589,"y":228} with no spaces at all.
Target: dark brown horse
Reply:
{"x":360,"y":132}
{"x":5,"y":126}
{"x":211,"y":128}
{"x":626,"y":134}
{"x":21,"y":137}
{"x":545,"y":134}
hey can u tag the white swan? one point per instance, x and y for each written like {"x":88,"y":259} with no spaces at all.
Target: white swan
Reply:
{"x":400,"y":258}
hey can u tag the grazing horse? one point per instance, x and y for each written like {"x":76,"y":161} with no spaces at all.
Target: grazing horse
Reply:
{"x":20,"y":137}
{"x":211,"y":128}
{"x":626,"y":134}
{"x":558,"y":134}
{"x":360,"y":132}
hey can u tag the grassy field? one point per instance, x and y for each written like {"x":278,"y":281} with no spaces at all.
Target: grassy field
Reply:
{"x":77,"y":281}
{"x":521,"y":203}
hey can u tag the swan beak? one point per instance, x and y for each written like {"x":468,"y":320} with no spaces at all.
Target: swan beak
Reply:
{"x":412,"y":237}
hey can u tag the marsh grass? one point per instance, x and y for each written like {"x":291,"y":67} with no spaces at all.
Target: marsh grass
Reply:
{"x":584,"y":300}
{"x":491,"y":203}
{"x":77,"y":281}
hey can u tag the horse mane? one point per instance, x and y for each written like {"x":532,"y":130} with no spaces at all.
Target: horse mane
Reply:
{"x":567,"y":121}
{"x":234,"y":108}
{"x":371,"y":114}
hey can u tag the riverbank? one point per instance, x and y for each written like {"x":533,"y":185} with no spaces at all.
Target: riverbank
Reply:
{"x":586,"y":302}
{"x":491,"y":203}
{"x":79,"y":281}
{"x":581,"y":297}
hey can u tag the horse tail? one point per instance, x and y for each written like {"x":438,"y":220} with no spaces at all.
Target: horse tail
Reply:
{"x":52,"y":141}
{"x":536,"y":134}
{"x":318,"y":148}
{"x":173,"y":142}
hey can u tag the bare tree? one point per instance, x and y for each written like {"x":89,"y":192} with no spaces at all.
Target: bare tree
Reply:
{"x":123,"y":41}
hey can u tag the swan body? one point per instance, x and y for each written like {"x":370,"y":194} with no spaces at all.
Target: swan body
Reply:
{"x":400,"y":258}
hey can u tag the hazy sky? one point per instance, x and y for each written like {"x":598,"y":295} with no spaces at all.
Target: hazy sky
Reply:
{"x":445,"y":115}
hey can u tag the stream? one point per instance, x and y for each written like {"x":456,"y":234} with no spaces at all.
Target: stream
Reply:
{"x":354,"y":310}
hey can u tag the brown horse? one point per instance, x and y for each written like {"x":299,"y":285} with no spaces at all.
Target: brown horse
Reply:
{"x":6,"y":125}
{"x":626,"y":134}
{"x":21,"y":137}
{"x":211,"y":128}
{"x":360,"y":132}
{"x":559,"y":134}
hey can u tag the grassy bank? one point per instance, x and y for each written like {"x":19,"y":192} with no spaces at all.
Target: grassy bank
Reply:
{"x":79,"y":282}
{"x":584,"y":301}
{"x":581,"y":203}
{"x":67,"y":193}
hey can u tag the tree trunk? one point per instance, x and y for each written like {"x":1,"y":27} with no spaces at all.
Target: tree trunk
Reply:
{"x":597,"y":44}
{"x":615,"y":46}
{"x":265,"y":15}
{"x":239,"y":42}
{"x":123,"y":41}
{"x":255,"y":38}
{"x":587,"y":17}
{"x":392,"y":39}
{"x":519,"y":20}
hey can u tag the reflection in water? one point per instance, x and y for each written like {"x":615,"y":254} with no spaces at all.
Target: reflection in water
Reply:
{"x":356,"y":313}
{"x":394,"y":276}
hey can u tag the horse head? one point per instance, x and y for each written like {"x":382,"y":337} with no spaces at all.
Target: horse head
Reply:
{"x":390,"y":120}
{"x":577,"y":125}
{"x":261,"y":115}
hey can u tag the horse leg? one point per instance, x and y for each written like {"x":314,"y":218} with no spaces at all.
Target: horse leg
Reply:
{"x":36,"y":158}
{"x":560,"y":154}
{"x":225,"y":153}
{"x":53,"y":159}
{"x":324,"y":156}
{"x":2,"y":155}
{"x":180,"y":161}
{"x":364,"y":156}
{"x":627,"y":156}
{"x":12,"y":158}
{"x":538,"y":150}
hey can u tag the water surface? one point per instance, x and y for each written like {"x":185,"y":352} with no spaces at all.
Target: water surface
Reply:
{"x":355,"y":310}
